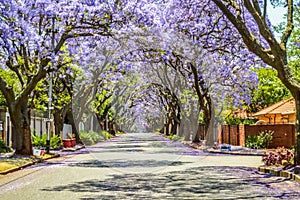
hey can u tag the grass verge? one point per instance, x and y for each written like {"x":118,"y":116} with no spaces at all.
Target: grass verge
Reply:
{"x":16,"y":162}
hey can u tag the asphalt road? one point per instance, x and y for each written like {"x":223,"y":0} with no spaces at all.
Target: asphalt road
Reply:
{"x":145,"y":166}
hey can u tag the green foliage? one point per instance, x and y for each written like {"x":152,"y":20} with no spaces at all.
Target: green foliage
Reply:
{"x":4,"y":148}
{"x":293,"y":50}
{"x":261,"y":141}
{"x":270,"y":90}
{"x":176,"y":138}
{"x":106,"y":135}
{"x":230,"y":120}
{"x":40,"y":141}
{"x":252,"y":142}
{"x":91,"y":137}
{"x":12,"y":81}
{"x":86,"y":138}
{"x":55,"y":142}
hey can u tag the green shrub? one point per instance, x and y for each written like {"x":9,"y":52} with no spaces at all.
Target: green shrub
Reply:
{"x":86,"y":138}
{"x":176,"y":138}
{"x":4,"y":148}
{"x":265,"y":137}
{"x":97,"y":136}
{"x":91,"y":137}
{"x":106,"y":135}
{"x":261,"y":141}
{"x":252,"y":142}
{"x":55,"y":142}
{"x":40,"y":141}
{"x":230,"y":120}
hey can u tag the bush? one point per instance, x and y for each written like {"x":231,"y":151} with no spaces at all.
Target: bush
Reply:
{"x":252,"y":142}
{"x":106,"y":135}
{"x":91,"y":137}
{"x":40,"y":141}
{"x":55,"y":142}
{"x":4,"y":148}
{"x":176,"y":138}
{"x":230,"y":120}
{"x":86,"y":138}
{"x":282,"y":156}
{"x":261,"y":141}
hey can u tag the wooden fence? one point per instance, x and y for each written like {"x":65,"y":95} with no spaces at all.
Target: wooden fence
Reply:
{"x":284,"y":134}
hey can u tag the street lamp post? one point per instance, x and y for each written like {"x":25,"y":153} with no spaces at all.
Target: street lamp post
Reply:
{"x":49,"y":120}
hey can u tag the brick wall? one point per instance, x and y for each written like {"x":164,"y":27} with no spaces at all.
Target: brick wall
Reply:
{"x":284,"y":134}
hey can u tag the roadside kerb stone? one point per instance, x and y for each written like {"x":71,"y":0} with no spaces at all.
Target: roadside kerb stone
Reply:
{"x":280,"y":173}
{"x":72,"y":149}
{"x":234,"y":152}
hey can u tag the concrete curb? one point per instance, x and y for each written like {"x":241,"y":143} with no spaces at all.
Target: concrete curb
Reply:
{"x":38,"y":160}
{"x":235,"y":153}
{"x":280,"y":173}
{"x":73,"y":149}
{"x":239,"y":153}
{"x":210,"y":150}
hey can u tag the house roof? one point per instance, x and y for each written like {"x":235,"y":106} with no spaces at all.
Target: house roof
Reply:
{"x":284,"y":107}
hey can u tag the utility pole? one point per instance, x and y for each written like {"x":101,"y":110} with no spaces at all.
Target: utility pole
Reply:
{"x":49,"y":120}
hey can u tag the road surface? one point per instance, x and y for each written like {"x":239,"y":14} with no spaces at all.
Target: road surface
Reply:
{"x":145,"y":166}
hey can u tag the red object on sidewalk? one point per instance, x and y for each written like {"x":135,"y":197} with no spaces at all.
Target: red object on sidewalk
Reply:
{"x":67,"y":143}
{"x":73,"y":142}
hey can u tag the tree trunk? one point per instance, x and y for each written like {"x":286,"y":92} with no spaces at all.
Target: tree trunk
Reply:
{"x":20,"y":117}
{"x":296,"y":94}
{"x":181,"y":128}
{"x":168,"y":127}
{"x":200,"y":133}
{"x":58,"y":122}
{"x":70,"y":117}
{"x":207,"y":124}
{"x":196,"y":139}
{"x":173,"y":127}
{"x":209,"y":135}
{"x":297,"y":132}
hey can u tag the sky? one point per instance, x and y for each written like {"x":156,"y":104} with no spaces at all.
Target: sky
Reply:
{"x":275,"y":14}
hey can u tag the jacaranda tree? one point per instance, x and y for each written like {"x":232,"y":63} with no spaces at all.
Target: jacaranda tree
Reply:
{"x":258,"y":35}
{"x":34,"y":35}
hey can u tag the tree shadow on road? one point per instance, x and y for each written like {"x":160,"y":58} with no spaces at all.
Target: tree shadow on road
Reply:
{"x":194,"y":183}
{"x":118,"y":163}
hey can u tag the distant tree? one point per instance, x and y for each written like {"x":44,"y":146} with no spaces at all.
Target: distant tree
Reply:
{"x":270,"y":90}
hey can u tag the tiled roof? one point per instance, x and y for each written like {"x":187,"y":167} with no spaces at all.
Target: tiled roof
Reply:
{"x":283,"y":107}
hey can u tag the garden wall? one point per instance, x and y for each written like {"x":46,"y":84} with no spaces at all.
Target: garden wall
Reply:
{"x":284,"y":134}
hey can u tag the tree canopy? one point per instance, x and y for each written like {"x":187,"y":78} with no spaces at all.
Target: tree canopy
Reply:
{"x":150,"y":56}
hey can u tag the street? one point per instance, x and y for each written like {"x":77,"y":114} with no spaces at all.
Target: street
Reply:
{"x":145,"y":166}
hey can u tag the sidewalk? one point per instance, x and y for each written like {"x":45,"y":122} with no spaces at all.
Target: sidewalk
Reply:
{"x":9,"y":162}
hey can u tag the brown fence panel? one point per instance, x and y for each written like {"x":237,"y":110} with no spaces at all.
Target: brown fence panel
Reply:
{"x":283,"y":133}
{"x":225,"y":134}
{"x":242,"y":136}
{"x":234,"y":134}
